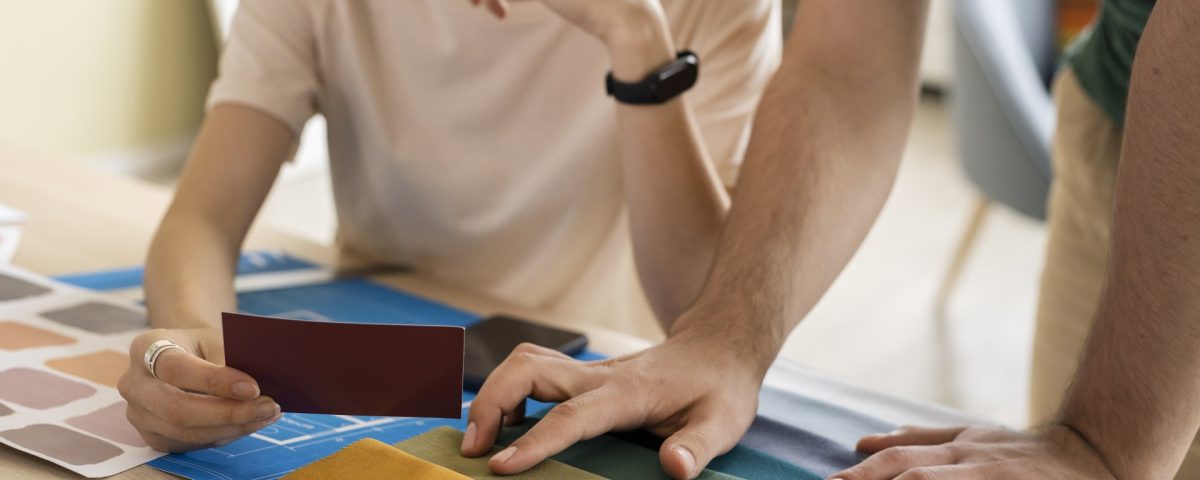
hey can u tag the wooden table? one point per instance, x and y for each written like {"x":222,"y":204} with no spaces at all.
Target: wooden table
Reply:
{"x":81,"y":219}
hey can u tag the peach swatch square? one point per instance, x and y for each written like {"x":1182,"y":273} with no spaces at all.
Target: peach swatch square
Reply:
{"x":104,"y":367}
{"x":18,"y":336}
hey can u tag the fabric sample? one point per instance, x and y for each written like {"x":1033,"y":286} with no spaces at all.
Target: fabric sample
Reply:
{"x":613,"y":457}
{"x":381,"y":369}
{"x":800,"y":447}
{"x":441,"y":446}
{"x":370,"y":459}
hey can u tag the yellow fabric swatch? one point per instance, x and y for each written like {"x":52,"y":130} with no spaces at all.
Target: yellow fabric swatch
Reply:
{"x":370,"y":459}
{"x":441,"y":446}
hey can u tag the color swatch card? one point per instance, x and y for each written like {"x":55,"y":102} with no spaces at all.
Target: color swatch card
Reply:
{"x":62,"y":350}
{"x":342,"y":368}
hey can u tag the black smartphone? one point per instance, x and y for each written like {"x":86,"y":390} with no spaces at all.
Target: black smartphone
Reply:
{"x":491,"y":340}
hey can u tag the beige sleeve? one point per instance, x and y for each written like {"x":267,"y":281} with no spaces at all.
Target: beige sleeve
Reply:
{"x":269,"y":62}
{"x":739,"y":43}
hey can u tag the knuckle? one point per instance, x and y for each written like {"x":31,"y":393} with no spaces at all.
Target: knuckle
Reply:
{"x":526,"y":347}
{"x":921,"y":473}
{"x":896,"y":455}
{"x":566,"y":412}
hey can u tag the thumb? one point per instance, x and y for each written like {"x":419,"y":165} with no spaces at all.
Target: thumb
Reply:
{"x":686,"y":452}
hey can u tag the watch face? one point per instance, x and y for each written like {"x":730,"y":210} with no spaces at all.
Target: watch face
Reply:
{"x":677,"y":77}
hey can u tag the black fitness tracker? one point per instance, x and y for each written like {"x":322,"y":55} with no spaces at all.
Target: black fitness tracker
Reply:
{"x":659,"y":86}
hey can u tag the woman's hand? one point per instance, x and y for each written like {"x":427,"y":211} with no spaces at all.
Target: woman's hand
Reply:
{"x":196,"y":401}
{"x":699,"y":393}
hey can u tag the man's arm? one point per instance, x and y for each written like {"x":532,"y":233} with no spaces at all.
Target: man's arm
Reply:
{"x":1131,"y":413}
{"x":828,"y":137}
{"x":826,"y":144}
{"x":1137,"y":388}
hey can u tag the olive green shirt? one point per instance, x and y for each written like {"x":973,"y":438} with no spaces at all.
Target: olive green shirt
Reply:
{"x":1102,"y":57}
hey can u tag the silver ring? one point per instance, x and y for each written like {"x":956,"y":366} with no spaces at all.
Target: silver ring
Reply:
{"x":156,"y":349}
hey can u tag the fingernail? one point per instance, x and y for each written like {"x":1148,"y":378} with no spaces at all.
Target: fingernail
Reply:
{"x":245,"y":390}
{"x":504,"y":455}
{"x":267,"y":410}
{"x":469,"y":438}
{"x":689,"y":460}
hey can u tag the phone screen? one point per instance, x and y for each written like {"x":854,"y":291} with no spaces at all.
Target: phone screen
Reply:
{"x":491,"y":340}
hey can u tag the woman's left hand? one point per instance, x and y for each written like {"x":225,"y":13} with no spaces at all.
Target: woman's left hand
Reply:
{"x":615,"y":22}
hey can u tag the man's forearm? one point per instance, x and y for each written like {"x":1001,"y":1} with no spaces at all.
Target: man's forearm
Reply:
{"x":827,"y":141}
{"x":1136,"y":391}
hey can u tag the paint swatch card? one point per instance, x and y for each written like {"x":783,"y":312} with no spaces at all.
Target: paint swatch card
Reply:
{"x":350,"y":368}
{"x":62,"y":351}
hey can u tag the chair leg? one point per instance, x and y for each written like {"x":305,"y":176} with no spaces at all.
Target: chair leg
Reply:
{"x":965,"y":244}
{"x":946,"y":368}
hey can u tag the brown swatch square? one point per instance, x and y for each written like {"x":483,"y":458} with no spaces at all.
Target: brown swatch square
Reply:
{"x":109,"y":422}
{"x":4,"y":410}
{"x":12,"y":288}
{"x":67,"y":445}
{"x":350,"y":368}
{"x":98,"y":317}
{"x":104,"y":367}
{"x":17,"y":336}
{"x":37,"y":389}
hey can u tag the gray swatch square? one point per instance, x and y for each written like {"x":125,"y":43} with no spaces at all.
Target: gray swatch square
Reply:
{"x":12,"y":288}
{"x":98,"y":317}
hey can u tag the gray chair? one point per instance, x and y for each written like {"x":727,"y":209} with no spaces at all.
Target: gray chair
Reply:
{"x":1005,"y":56}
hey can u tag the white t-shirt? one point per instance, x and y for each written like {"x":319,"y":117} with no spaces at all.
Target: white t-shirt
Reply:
{"x":484,"y":152}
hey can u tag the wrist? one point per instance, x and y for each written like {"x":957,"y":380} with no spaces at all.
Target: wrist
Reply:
{"x":638,"y":43}
{"x":739,"y":339}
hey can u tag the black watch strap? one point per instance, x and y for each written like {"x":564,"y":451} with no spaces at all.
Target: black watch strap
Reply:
{"x":659,"y":86}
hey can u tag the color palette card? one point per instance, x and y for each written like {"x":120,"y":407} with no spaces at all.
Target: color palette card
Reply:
{"x":62,"y":350}
{"x":344,"y":368}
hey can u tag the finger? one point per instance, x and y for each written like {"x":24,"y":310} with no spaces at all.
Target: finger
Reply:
{"x":521,"y":375}
{"x":908,"y":435}
{"x":526,"y":347}
{"x":499,"y":8}
{"x":580,"y":418}
{"x":177,"y":407}
{"x":893,"y":461}
{"x":189,"y":372}
{"x":687,"y":451}
{"x":169,"y":437}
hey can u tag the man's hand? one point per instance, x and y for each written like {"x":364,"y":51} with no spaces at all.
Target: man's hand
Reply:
{"x":913,"y":453}
{"x":698,"y":392}
{"x":195,"y":402}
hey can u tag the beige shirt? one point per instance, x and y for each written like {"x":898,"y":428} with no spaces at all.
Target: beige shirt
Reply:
{"x":484,"y":152}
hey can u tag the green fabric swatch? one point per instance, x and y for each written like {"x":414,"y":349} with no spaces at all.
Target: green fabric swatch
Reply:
{"x":635,"y":455}
{"x":441,"y":446}
{"x":610,"y":457}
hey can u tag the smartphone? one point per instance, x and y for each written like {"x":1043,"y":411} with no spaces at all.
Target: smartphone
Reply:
{"x":490,"y":341}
